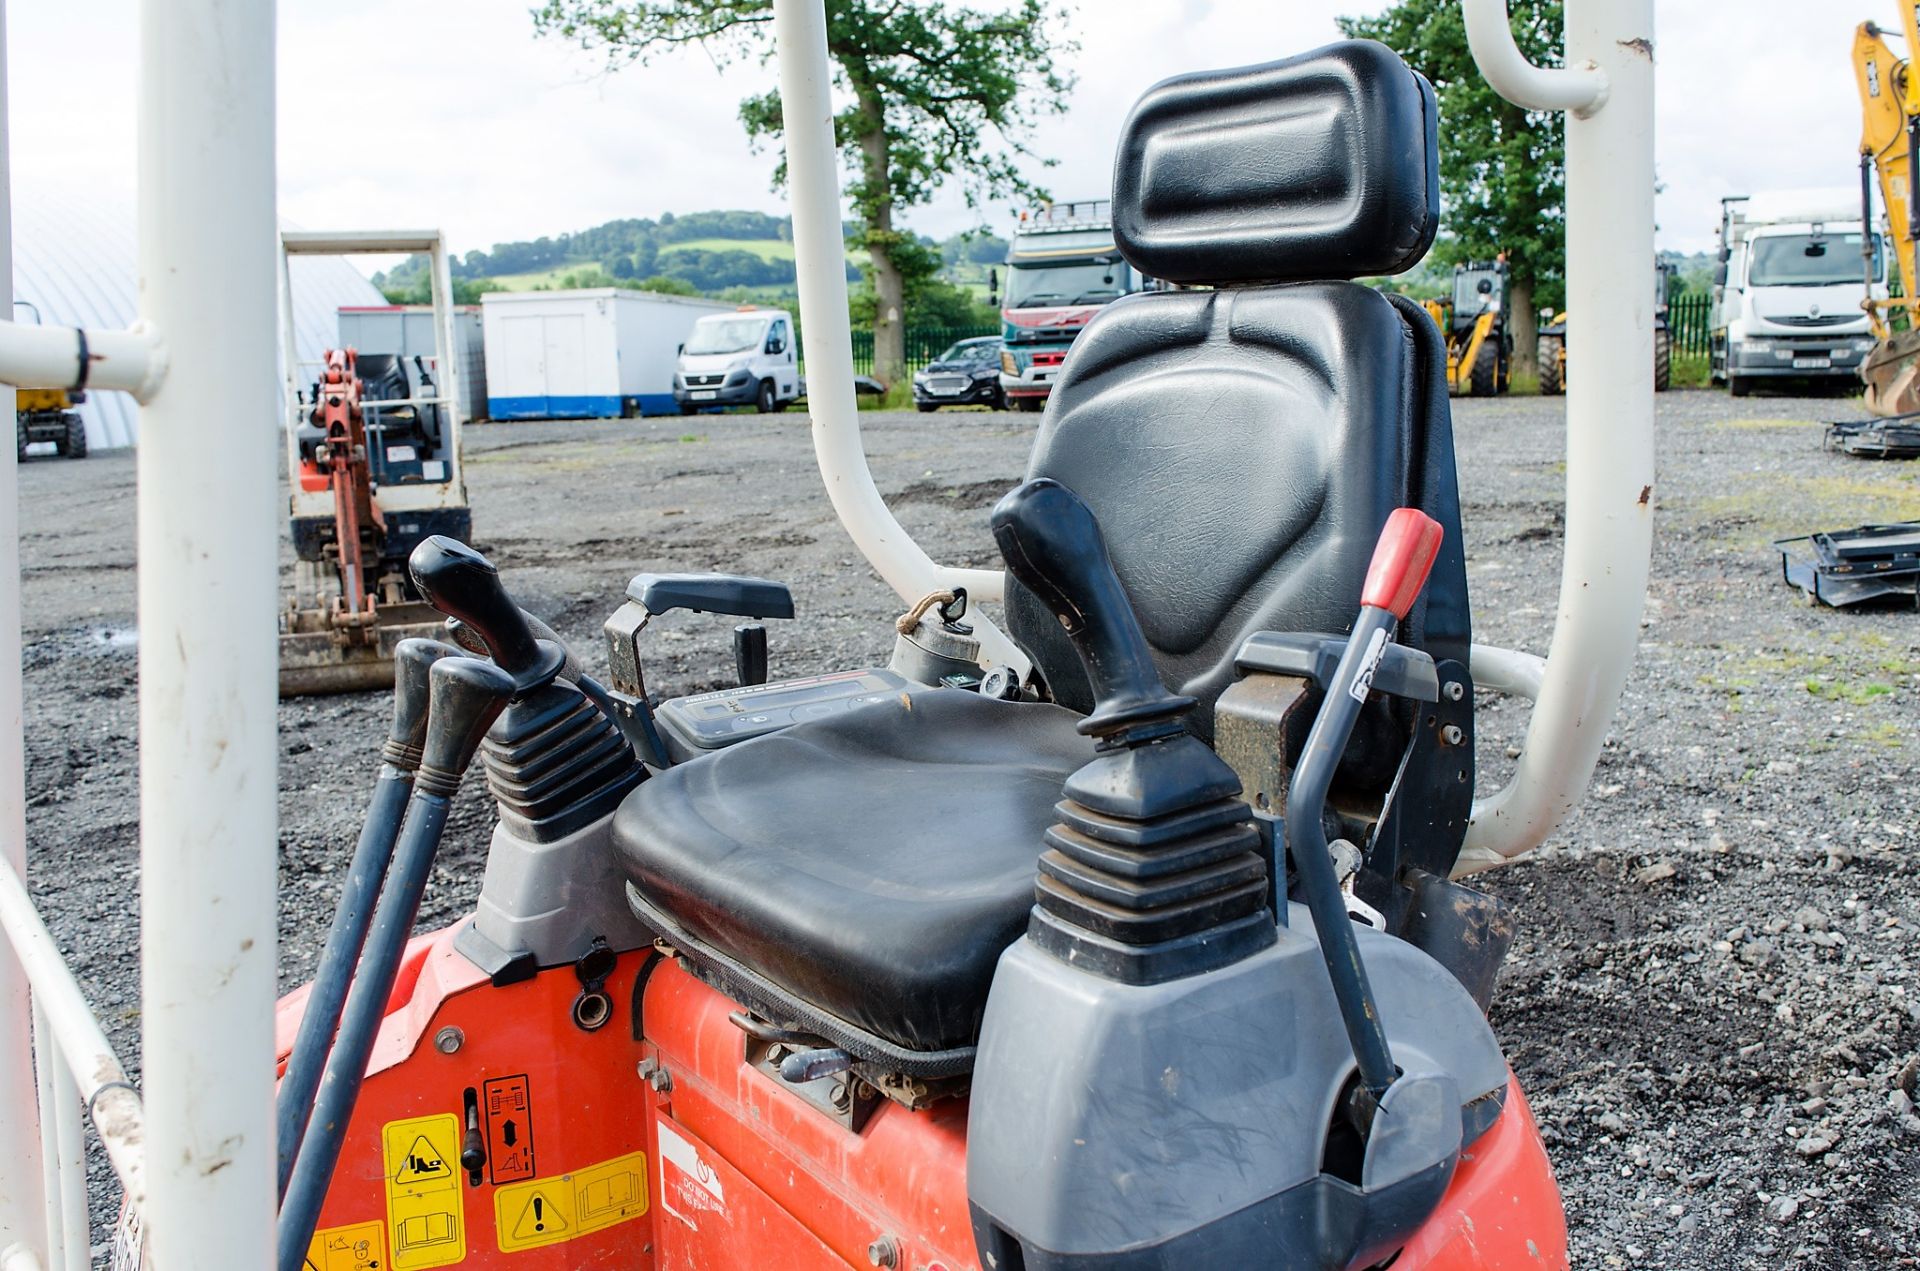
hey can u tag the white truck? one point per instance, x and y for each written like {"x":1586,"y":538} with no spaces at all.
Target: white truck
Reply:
{"x":1787,"y":290}
{"x":748,"y":357}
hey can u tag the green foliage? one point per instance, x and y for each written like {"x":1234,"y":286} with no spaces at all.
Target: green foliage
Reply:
{"x":935,"y":91}
{"x":713,"y":271}
{"x":665,"y":286}
{"x":1502,"y":168}
{"x":415,"y":288}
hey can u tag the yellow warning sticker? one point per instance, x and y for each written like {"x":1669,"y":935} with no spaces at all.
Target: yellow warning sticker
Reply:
{"x":423,"y":1192}
{"x":547,"y":1211}
{"x":359,"y":1246}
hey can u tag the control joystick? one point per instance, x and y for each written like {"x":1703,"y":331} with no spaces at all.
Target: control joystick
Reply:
{"x":554,"y":761}
{"x":464,"y":585}
{"x":1154,"y":872}
{"x":1052,"y":544}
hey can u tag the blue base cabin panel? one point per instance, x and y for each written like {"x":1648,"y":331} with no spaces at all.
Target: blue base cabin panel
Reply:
{"x":582,"y":407}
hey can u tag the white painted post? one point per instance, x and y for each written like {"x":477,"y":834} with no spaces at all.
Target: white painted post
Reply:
{"x":209,"y":538}
{"x":1607,"y":89}
{"x":22,"y":1191}
{"x":813,"y":180}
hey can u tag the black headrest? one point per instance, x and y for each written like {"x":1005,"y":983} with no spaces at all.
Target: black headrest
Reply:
{"x":1322,"y":166}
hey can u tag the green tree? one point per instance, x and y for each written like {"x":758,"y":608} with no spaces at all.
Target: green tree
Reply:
{"x":936,"y":92}
{"x":1502,"y":168}
{"x":666,"y":286}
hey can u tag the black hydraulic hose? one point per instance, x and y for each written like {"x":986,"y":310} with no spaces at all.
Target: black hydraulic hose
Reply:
{"x":467,"y":695}
{"x":1913,"y":179}
{"x":400,"y":757}
{"x":1867,"y":236}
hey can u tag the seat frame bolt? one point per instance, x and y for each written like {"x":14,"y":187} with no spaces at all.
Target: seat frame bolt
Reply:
{"x":1451,"y":735}
{"x":1454,"y":690}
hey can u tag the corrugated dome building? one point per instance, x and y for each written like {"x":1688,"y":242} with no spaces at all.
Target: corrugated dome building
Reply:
{"x":73,"y":265}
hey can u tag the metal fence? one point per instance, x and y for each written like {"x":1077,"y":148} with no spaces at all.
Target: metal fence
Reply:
{"x":923,"y":345}
{"x":1687,"y":319}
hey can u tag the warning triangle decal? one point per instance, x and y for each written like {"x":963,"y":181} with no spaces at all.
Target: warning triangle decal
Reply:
{"x":422,"y":1163}
{"x":538,"y":1219}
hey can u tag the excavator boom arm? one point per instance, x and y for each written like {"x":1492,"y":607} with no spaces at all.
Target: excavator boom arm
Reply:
{"x":1887,"y":111}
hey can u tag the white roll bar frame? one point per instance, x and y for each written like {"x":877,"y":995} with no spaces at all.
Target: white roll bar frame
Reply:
{"x":819,"y":249}
{"x":1608,"y":94}
{"x":449,"y":383}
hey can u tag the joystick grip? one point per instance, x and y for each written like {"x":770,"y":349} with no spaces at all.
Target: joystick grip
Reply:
{"x":463,"y":584}
{"x":1052,"y":544}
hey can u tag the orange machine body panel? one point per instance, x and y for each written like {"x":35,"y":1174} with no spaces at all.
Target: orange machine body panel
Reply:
{"x":652,"y":1143}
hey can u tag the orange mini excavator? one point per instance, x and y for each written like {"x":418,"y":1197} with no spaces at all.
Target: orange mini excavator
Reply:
{"x":1146,"y":957}
{"x":374,"y":468}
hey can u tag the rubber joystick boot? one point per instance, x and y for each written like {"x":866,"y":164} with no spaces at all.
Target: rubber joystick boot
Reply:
{"x":1154,"y":871}
{"x":463,"y":584}
{"x":554,"y":762}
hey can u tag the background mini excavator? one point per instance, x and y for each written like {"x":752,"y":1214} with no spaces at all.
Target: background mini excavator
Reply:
{"x":374,"y":468}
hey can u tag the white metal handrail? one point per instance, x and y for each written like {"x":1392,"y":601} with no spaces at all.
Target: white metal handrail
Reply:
{"x":89,"y":1060}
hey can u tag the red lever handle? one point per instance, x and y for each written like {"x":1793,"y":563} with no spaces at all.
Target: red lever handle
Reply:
{"x":1402,"y":559}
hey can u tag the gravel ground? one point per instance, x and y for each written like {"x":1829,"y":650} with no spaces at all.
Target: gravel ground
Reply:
{"x":1712,"y":1002}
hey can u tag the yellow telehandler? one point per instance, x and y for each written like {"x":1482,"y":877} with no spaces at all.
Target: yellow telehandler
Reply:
{"x":1550,"y":358}
{"x":1474,"y":323}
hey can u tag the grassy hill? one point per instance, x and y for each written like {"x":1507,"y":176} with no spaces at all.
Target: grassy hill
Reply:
{"x":730,"y":255}
{"x":553,"y":277}
{"x":764,"y":248}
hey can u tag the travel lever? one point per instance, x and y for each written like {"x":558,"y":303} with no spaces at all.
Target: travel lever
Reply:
{"x":1402,"y":559}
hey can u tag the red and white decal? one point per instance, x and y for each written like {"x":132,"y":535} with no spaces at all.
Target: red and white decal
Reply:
{"x":689,"y":1186}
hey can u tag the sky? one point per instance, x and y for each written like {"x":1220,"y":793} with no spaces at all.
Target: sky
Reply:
{"x":451,"y":113}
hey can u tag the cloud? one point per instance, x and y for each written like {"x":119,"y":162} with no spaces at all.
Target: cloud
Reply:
{"x":452,"y":113}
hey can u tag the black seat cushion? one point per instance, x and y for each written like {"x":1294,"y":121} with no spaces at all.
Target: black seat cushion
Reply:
{"x":874,"y":865}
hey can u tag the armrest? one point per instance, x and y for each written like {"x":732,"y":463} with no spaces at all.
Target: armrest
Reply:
{"x":1402,"y":672}
{"x":711,"y":593}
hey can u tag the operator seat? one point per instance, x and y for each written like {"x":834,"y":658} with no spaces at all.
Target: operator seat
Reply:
{"x":1241,"y":444}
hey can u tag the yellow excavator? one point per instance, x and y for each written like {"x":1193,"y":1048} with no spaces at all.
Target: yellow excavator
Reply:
{"x":1889,"y":134}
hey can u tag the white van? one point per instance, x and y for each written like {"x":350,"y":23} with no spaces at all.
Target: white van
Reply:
{"x":747,"y":357}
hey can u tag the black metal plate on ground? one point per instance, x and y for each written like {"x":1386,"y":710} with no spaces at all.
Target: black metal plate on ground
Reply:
{"x":1895,"y":438}
{"x":1850,"y":567}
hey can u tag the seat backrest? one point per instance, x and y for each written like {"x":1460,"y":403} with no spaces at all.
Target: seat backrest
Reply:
{"x":1243,"y":445}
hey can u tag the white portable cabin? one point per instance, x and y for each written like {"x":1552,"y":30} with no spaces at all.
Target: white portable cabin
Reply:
{"x":408,"y":331}
{"x":591,"y":354}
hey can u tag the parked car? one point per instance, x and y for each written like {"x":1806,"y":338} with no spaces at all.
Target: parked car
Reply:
{"x":967,"y":374}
